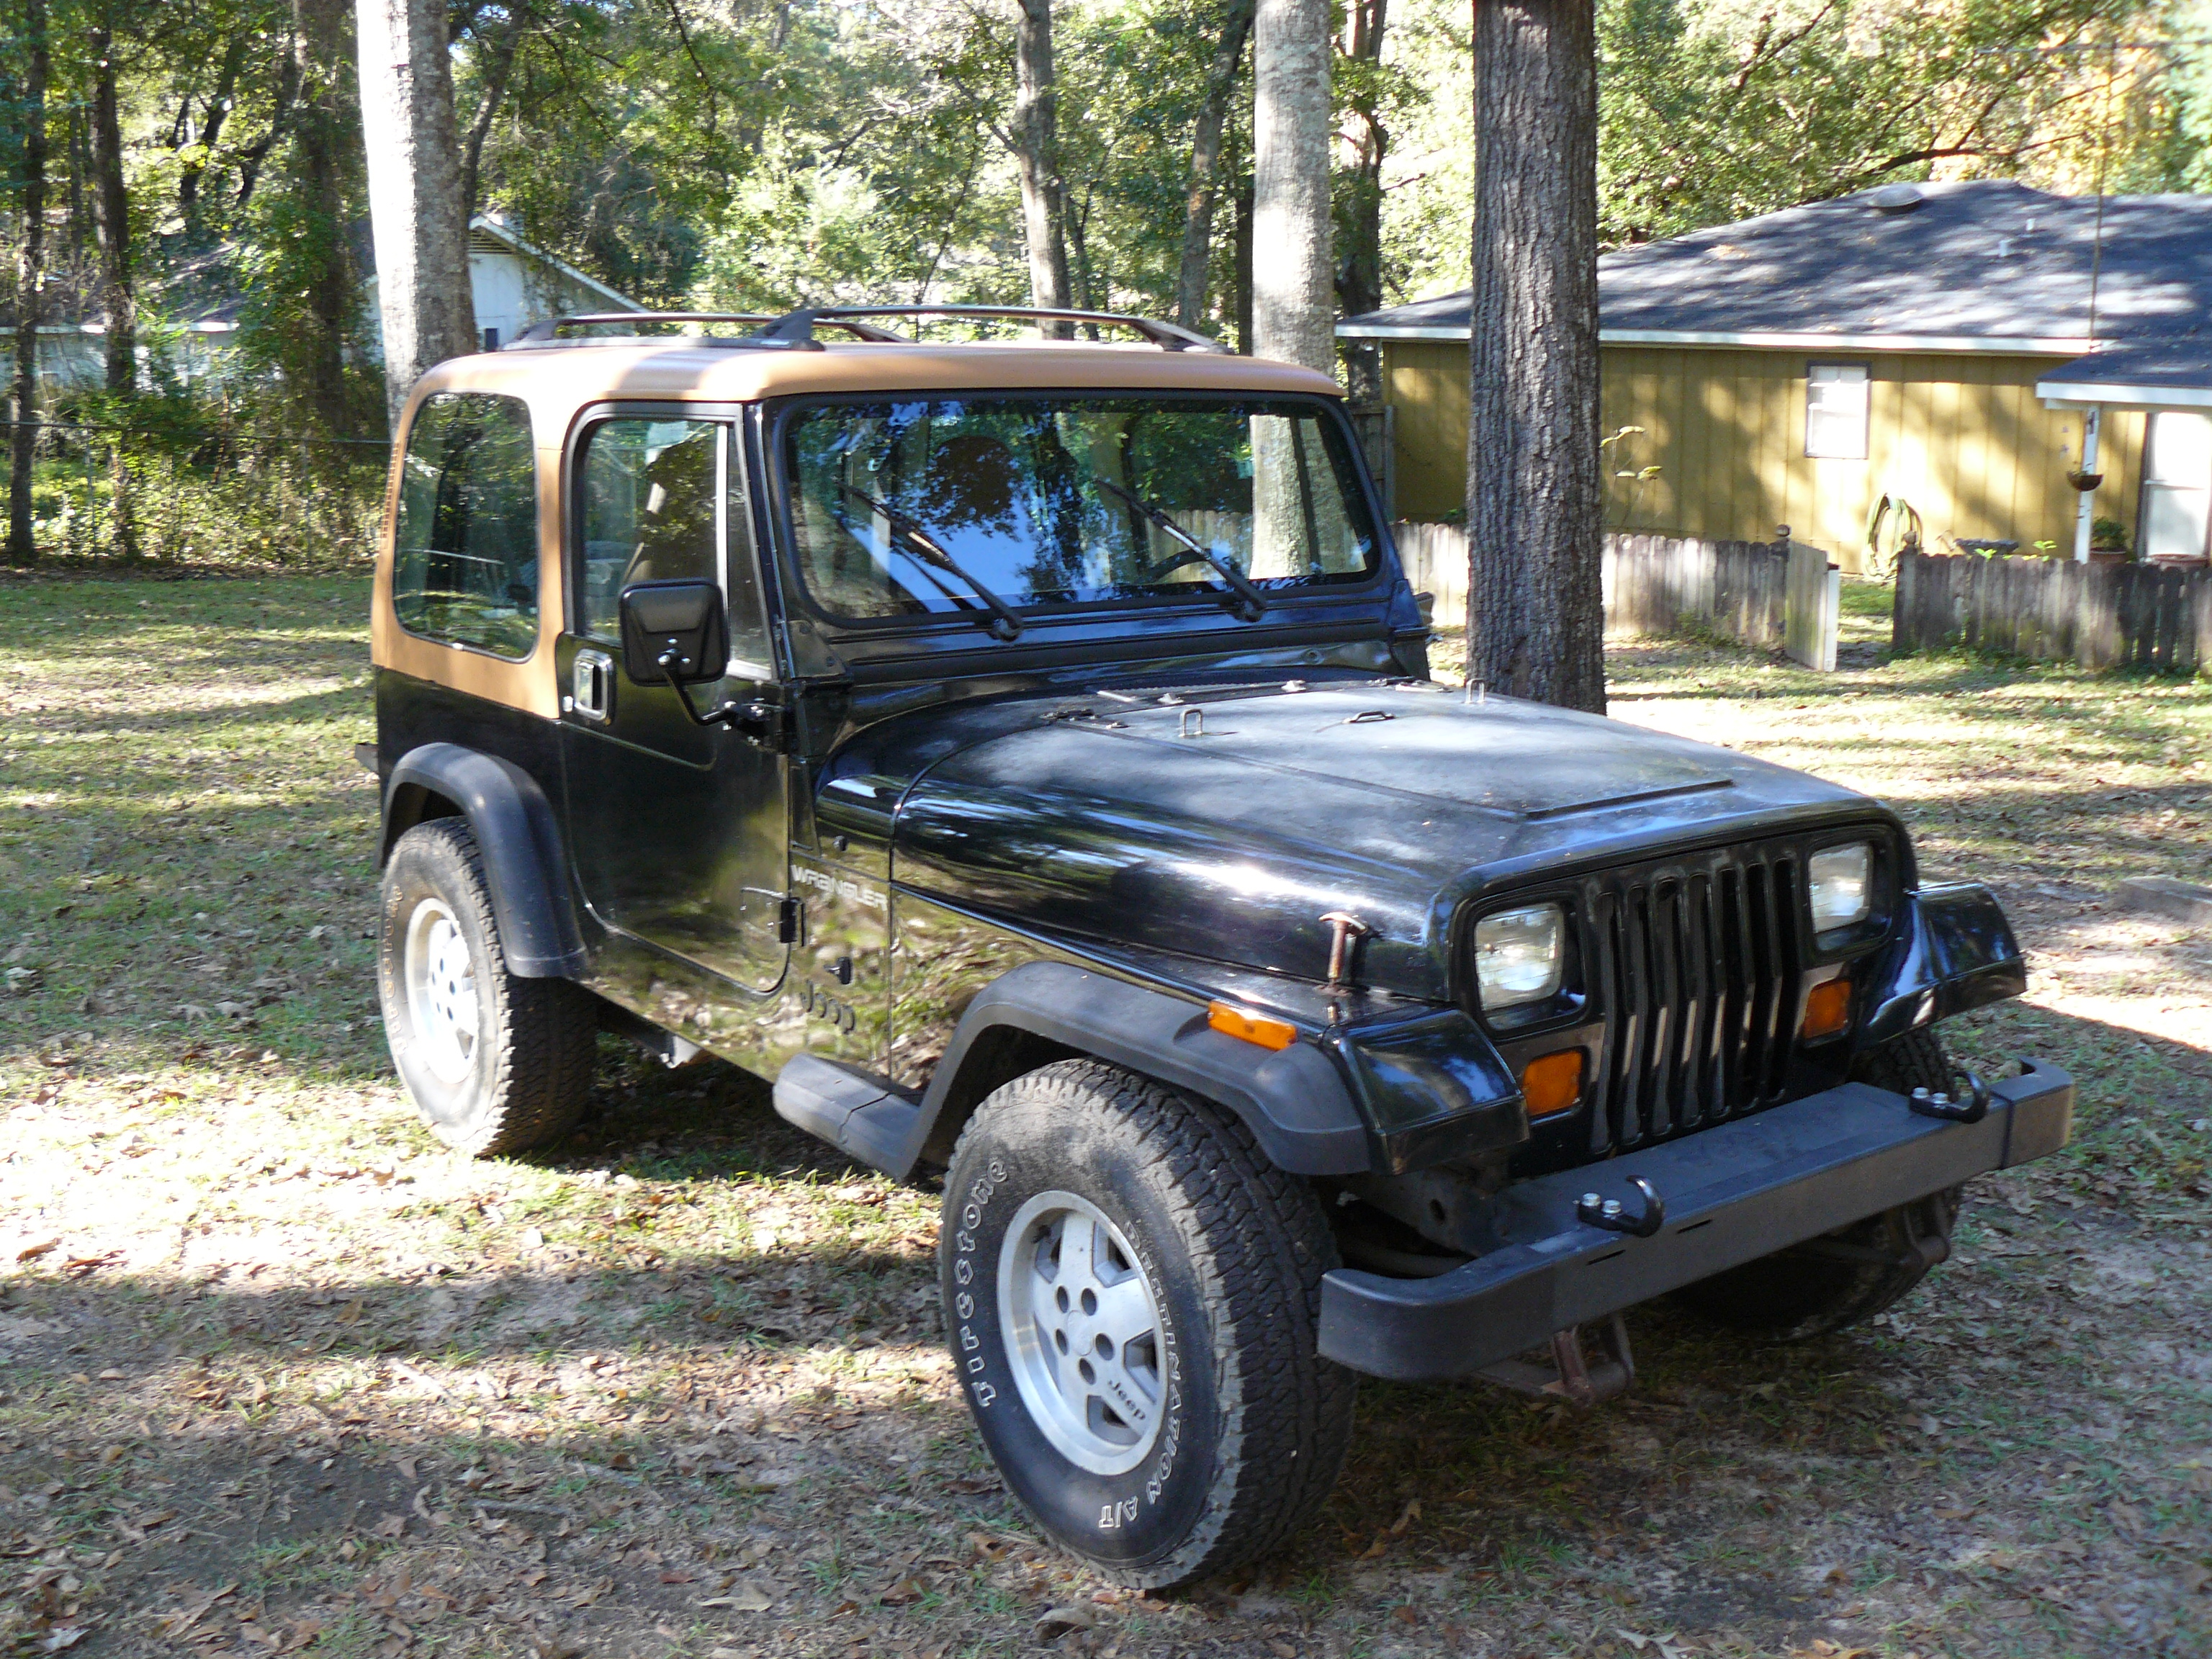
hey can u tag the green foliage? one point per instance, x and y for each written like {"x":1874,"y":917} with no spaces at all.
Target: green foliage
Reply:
{"x":1716,"y":109}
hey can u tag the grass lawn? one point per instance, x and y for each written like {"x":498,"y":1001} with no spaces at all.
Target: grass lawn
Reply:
{"x":276,"y":1373}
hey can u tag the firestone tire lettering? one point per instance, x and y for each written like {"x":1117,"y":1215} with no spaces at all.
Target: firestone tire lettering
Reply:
{"x":1252,"y":1425}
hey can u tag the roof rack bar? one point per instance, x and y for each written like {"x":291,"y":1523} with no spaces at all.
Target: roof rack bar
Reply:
{"x":799,"y":324}
{"x":547,"y":331}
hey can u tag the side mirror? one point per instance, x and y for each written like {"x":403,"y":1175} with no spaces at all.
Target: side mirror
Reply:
{"x":677,"y":634}
{"x":674,"y":632}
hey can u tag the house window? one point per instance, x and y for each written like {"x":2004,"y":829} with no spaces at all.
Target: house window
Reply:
{"x":1836,"y":412}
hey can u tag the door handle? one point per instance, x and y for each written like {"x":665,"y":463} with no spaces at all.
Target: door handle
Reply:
{"x":591,"y":681}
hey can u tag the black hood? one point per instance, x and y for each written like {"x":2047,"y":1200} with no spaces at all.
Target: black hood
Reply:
{"x":1224,"y":826}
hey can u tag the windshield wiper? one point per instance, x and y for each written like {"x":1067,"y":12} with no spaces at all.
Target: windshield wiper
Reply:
{"x":1254,"y":602}
{"x":1004,"y":624}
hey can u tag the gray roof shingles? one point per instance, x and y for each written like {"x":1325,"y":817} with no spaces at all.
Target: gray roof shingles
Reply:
{"x":1987,"y":260}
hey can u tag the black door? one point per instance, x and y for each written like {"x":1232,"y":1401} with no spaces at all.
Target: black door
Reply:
{"x":679,"y":833}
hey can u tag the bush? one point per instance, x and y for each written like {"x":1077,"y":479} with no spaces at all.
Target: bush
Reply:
{"x":201,"y":483}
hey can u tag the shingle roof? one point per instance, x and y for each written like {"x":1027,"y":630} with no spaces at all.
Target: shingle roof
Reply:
{"x":2171,"y":370}
{"x":1984,"y":266}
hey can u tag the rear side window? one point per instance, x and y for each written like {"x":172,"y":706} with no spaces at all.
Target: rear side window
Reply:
{"x":464,"y":565}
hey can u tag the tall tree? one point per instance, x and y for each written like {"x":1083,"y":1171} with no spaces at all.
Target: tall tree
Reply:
{"x":418,"y":221}
{"x":1036,"y":154}
{"x":1535,"y":501}
{"x":30,"y":278}
{"x":1293,"y":314}
{"x":118,"y":300}
{"x":1205,"y":185}
{"x":497,"y":65}
{"x":1360,"y":271}
{"x":110,"y":201}
{"x":320,"y":134}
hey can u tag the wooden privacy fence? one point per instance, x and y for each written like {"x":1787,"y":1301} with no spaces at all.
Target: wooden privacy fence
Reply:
{"x":1435,"y":558}
{"x":2100,"y":616}
{"x":1769,"y":595}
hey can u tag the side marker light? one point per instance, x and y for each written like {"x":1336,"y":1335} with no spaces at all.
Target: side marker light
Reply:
{"x":1553,"y":1083}
{"x":1247,"y":1027}
{"x":1827,"y":1009}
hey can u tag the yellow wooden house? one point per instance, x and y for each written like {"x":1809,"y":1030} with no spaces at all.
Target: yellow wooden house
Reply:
{"x":1933,"y":347}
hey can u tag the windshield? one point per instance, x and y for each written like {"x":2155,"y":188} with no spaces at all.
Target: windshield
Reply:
{"x":939,"y":507}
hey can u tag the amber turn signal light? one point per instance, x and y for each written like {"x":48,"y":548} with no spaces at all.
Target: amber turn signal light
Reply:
{"x":1247,"y":1027}
{"x":1827,"y":1009}
{"x":1553,"y":1083}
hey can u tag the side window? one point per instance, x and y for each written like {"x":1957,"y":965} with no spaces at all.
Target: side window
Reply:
{"x":650,"y":489}
{"x":465,"y":542}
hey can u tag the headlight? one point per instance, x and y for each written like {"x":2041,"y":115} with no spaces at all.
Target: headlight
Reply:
{"x":1842,"y":879}
{"x":1519,"y":955}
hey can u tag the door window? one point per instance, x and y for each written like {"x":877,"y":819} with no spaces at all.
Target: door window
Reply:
{"x":652,"y":508}
{"x":651,"y":492}
{"x":464,"y":565}
{"x":2177,"y":485}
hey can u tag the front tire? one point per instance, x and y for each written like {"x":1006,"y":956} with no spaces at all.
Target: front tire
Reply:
{"x":495,"y":1063}
{"x":1132,"y":1292}
{"x":1846,"y":1277}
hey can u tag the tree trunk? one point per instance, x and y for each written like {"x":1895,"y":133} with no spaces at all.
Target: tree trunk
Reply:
{"x":419,"y":223}
{"x":1293,"y":314}
{"x":250,"y":158}
{"x":1241,"y":259}
{"x":1206,"y":166}
{"x":217,"y":110}
{"x":1536,"y":616}
{"x":1359,"y":280}
{"x":111,"y":220}
{"x":499,"y":66}
{"x":1037,"y":153}
{"x":318,"y":143}
{"x":118,"y":301}
{"x":30,"y":275}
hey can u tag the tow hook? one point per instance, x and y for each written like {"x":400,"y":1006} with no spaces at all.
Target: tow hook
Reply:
{"x":1613,"y":1215}
{"x":1940,"y":1103}
{"x":1571,"y":1375}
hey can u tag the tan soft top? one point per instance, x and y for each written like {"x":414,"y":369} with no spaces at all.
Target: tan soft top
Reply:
{"x":681,"y":370}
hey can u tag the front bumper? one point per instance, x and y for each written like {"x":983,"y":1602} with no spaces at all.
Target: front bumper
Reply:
{"x":1732,"y":1194}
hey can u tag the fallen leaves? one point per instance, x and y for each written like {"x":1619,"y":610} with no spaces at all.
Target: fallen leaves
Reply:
{"x":1055,"y":1622}
{"x":176,"y":1625}
{"x":740,"y":1598}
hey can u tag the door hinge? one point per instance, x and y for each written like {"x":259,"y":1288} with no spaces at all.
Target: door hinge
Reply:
{"x":786,"y":920}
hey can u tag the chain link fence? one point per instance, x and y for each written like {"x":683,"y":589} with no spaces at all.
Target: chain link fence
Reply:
{"x":202,"y":494}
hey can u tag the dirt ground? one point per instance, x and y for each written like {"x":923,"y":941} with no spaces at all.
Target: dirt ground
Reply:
{"x":277,"y":1374}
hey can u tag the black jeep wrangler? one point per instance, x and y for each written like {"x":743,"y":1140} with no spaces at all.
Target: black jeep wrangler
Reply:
{"x":1024,"y":754}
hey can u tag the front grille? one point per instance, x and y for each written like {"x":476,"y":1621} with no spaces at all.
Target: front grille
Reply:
{"x":1693,"y":966}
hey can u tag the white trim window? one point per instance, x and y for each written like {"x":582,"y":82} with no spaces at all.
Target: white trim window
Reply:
{"x":1836,"y":405}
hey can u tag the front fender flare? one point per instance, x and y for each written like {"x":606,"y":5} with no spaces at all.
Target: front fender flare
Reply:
{"x":1293,"y":1100}
{"x":519,"y":841}
{"x":1953,"y":951}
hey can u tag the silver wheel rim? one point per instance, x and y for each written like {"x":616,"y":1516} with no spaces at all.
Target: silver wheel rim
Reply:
{"x":1082,"y":1327}
{"x":441,"y":991}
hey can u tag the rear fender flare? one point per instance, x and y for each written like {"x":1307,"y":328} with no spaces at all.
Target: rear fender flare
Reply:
{"x":517,"y":836}
{"x":1293,"y":1100}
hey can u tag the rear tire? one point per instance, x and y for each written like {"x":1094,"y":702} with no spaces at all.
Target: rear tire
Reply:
{"x":495,"y":1063}
{"x":1834,"y":1282}
{"x":1132,"y":1293}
